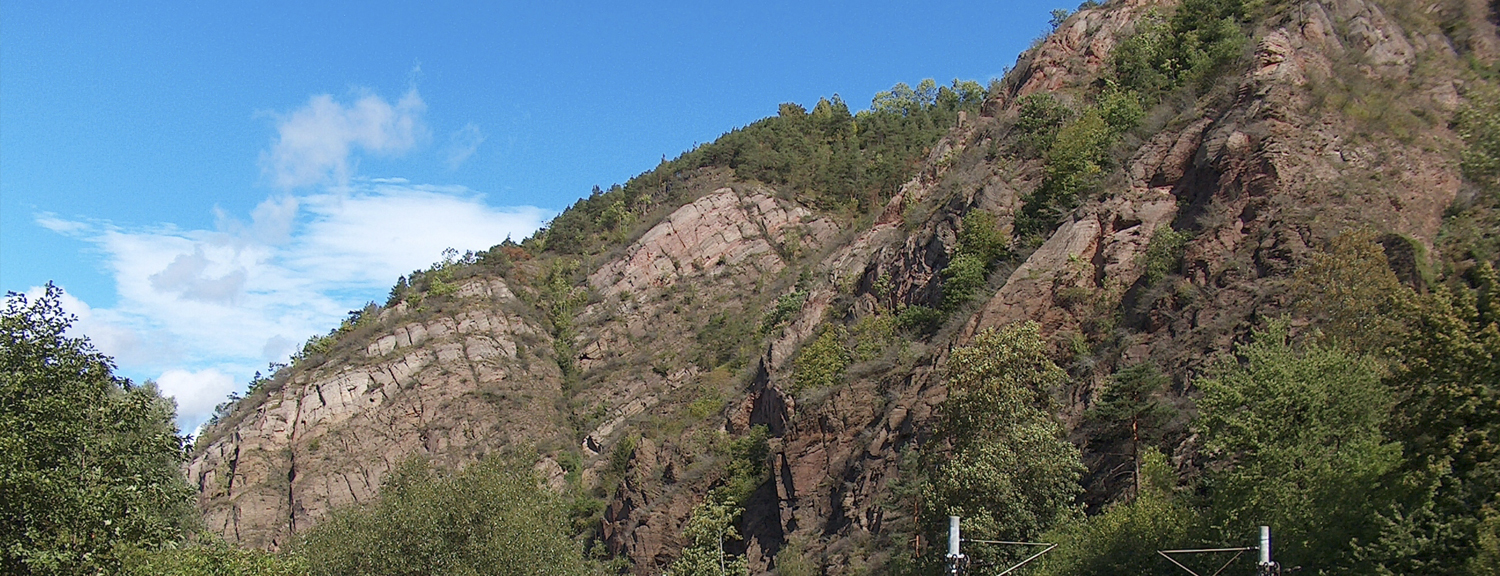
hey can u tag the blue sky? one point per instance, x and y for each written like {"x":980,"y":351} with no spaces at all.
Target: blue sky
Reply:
{"x":214,"y":182}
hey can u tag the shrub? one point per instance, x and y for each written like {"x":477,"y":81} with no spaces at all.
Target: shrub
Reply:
{"x":1478,"y":123}
{"x":980,"y":246}
{"x":748,"y":465}
{"x":619,"y":458}
{"x":871,"y":335}
{"x":1349,"y":292}
{"x":491,"y":518}
{"x":919,"y":319}
{"x":722,"y":339}
{"x":213,"y":558}
{"x":1192,"y":48}
{"x":963,"y":277}
{"x":1040,"y":116}
{"x":821,"y":362}
{"x":1076,"y":162}
{"x":787,"y":307}
{"x":1163,"y":254}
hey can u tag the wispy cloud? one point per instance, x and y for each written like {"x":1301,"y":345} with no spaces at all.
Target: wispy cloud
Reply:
{"x":316,"y":143}
{"x":197,"y":307}
{"x":463,"y":144}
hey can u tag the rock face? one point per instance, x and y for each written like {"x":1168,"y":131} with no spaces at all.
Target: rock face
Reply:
{"x":453,"y":386}
{"x":1254,"y":177}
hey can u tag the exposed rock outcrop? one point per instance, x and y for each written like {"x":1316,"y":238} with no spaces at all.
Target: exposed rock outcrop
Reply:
{"x":1286,"y":152}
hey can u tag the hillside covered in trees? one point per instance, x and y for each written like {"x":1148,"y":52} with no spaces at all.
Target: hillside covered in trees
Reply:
{"x":1189,"y":268}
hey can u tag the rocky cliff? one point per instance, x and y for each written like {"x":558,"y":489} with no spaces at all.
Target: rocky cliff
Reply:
{"x":686,"y":332}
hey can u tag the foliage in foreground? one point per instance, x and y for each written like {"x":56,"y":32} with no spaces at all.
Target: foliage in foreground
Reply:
{"x":1125,"y":538}
{"x":1007,"y":469}
{"x":711,"y":525}
{"x":1299,"y":431}
{"x":491,"y":518}
{"x":88,"y":461}
{"x":212,"y":558}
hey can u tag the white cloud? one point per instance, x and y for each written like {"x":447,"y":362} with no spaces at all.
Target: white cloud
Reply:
{"x":463,"y":144}
{"x":270,"y":222}
{"x":314,"y":143}
{"x":104,"y":329}
{"x":197,"y":393}
{"x":65,"y":227}
{"x":205,"y":305}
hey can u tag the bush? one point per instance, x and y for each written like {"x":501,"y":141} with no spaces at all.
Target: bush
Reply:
{"x":1192,"y":48}
{"x":980,"y":246}
{"x":871,"y":335}
{"x":1040,"y":115}
{"x":1076,"y":161}
{"x":722,"y":340}
{"x":213,"y":558}
{"x":748,"y":465}
{"x":786,"y":309}
{"x":491,"y":518}
{"x":1478,"y":123}
{"x":821,"y":362}
{"x":962,"y":279}
{"x":922,"y":320}
{"x":1163,"y":254}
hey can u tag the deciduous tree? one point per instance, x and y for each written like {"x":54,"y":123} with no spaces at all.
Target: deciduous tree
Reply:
{"x":88,"y":461}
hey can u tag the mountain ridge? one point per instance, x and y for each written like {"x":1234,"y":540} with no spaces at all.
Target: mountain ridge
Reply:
{"x":652,"y":326}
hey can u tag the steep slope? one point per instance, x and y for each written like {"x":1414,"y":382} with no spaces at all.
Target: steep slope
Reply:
{"x":631,"y":367}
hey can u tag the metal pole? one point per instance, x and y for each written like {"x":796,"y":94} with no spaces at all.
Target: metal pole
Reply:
{"x":953,"y":537}
{"x":1265,"y":545}
{"x":955,"y":558}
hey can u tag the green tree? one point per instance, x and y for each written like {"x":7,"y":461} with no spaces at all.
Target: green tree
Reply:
{"x":1297,"y":435}
{"x":1132,"y":406}
{"x":1349,"y":291}
{"x":1037,"y":122}
{"x":710,"y":526}
{"x":1191,"y":48}
{"x":1448,"y":419}
{"x":981,"y":245}
{"x":88,"y":461}
{"x":213,"y":558}
{"x":1008,"y":471}
{"x":1125,"y":538}
{"x":494,"y":517}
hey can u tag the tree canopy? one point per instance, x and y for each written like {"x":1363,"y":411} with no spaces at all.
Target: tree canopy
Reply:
{"x":1299,"y":430}
{"x":1008,"y":470}
{"x":89,"y":462}
{"x":494,"y":517}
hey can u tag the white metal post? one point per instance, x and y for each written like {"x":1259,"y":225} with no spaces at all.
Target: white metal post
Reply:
{"x":1265,"y":546}
{"x":955,"y":557}
{"x":953,"y":537}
